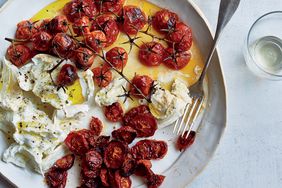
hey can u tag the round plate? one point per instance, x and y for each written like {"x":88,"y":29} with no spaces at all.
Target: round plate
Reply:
{"x":179,"y":168}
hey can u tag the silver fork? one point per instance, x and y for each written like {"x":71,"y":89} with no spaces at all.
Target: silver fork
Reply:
{"x":226,"y":10}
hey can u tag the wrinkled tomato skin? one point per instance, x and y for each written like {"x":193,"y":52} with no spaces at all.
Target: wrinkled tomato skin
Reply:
{"x":67,"y":75}
{"x":114,"y":154}
{"x":143,"y":83}
{"x":81,"y":26}
{"x":183,"y":143}
{"x":155,"y":181}
{"x":118,"y":57}
{"x":42,"y":41}
{"x":114,"y":112}
{"x":65,"y":163}
{"x":122,"y":182}
{"x":104,"y":177}
{"x":89,"y":183}
{"x":151,"y":54}
{"x":129,"y":166}
{"x":45,"y":26}
{"x":108,"y":25}
{"x":96,"y":126}
{"x":96,"y":40}
{"x":181,"y":37}
{"x":59,"y":24}
{"x":101,"y":143}
{"x":149,"y":149}
{"x":77,"y":143}
{"x":79,"y":8}
{"x":163,"y":20}
{"x":144,"y":124}
{"x":142,"y":109}
{"x":63,"y":45}
{"x":56,"y":178}
{"x":102,"y":76}
{"x":133,"y":19}
{"x":84,"y":58}
{"x":25,"y":30}
{"x":143,"y":168}
{"x":113,"y":6}
{"x":176,"y":60}
{"x":19,"y":54}
{"x":125,"y":134}
{"x":91,"y":164}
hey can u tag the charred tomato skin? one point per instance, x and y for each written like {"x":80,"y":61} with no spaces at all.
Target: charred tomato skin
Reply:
{"x":143,"y":83}
{"x":176,"y":60}
{"x":18,"y":54}
{"x":151,"y":54}
{"x":118,"y":57}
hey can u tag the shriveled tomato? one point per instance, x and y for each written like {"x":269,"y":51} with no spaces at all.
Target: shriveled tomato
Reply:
{"x":142,"y":109}
{"x":84,"y":58}
{"x":176,"y":60}
{"x":42,"y":41}
{"x":18,"y":54}
{"x":91,"y":164}
{"x":183,"y":142}
{"x":151,"y":54}
{"x":106,"y":23}
{"x":77,"y":143}
{"x":129,"y":166}
{"x":25,"y":30}
{"x":65,"y":163}
{"x":45,"y":25}
{"x":59,"y":24}
{"x":104,"y":177}
{"x":78,"y":8}
{"x":164,"y":20}
{"x":143,"y":83}
{"x":125,"y":134}
{"x":114,"y":154}
{"x":67,"y":75}
{"x":89,"y":182}
{"x":181,"y":36}
{"x":63,"y":45}
{"x":96,"y":40}
{"x":114,"y":112}
{"x":96,"y":126}
{"x":102,"y":76}
{"x":149,"y":149}
{"x":56,"y":178}
{"x":143,"y":168}
{"x":118,"y":57}
{"x":81,"y":26}
{"x":113,"y":6}
{"x":132,"y":19}
{"x":155,"y":181}
{"x":121,"y":182}
{"x":144,"y":124}
{"x":101,"y":143}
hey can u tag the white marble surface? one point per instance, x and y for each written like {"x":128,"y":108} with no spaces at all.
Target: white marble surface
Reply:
{"x":250,"y":152}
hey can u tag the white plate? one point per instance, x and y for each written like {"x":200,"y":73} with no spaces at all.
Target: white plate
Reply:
{"x":179,"y":169}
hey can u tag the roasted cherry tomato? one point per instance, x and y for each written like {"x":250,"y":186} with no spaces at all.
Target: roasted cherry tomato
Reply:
{"x":143,"y":168}
{"x":84,"y":58}
{"x":56,"y":177}
{"x":65,"y":163}
{"x":18,"y":54}
{"x":102,"y":76}
{"x":45,"y":25}
{"x":164,"y":20}
{"x":96,"y":40}
{"x":129,"y":166}
{"x":149,"y":149}
{"x":91,"y":164}
{"x":181,"y":37}
{"x":114,"y":112}
{"x":113,"y":6}
{"x":59,"y":24}
{"x":67,"y":75}
{"x":118,"y":57}
{"x":183,"y":142}
{"x":143,"y":83}
{"x":101,"y":143}
{"x":125,"y":134}
{"x":63,"y":45}
{"x":132,"y":19}
{"x":155,"y":181}
{"x":108,"y":25}
{"x":176,"y":60}
{"x":144,"y":124}
{"x":96,"y":126}
{"x":25,"y":30}
{"x":42,"y":41}
{"x":81,"y":26}
{"x":79,"y":8}
{"x":114,"y":154}
{"x":142,"y":109}
{"x":120,"y":181}
{"x":77,"y":143}
{"x":151,"y":54}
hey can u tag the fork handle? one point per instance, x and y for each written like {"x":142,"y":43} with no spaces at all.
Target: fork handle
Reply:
{"x":226,"y":10}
